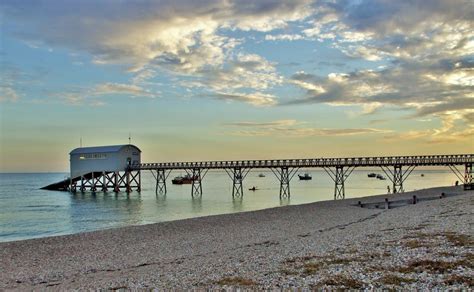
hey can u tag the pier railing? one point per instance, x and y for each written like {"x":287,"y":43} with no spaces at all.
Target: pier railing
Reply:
{"x":338,"y":169}
{"x":426,"y":160}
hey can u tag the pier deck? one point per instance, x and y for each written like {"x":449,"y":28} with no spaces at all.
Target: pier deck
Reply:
{"x":397,"y":169}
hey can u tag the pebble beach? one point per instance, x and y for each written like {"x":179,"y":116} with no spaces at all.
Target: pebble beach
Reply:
{"x":330,"y":244}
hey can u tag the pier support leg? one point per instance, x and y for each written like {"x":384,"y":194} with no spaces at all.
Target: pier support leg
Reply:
{"x":72,"y":185}
{"x":339,"y":190}
{"x":237,"y":187}
{"x":160,"y":177}
{"x":468,"y":182}
{"x":398,"y":176}
{"x":237,"y":176}
{"x":339,"y":177}
{"x":104,"y":181}
{"x":83,"y":187}
{"x":116,"y":182}
{"x":139,"y":182}
{"x":398,"y":179}
{"x":196,"y":188}
{"x":108,"y":181}
{"x":93,"y":184}
{"x":134,"y":180}
{"x":284,"y":183}
{"x":284,"y":175}
{"x":127,"y":186}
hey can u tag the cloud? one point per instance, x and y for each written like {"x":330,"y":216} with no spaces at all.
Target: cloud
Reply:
{"x":405,"y":85}
{"x":449,"y":105}
{"x":268,"y":15}
{"x":283,"y":37}
{"x":12,"y":78}
{"x":180,"y":35}
{"x":245,"y":71}
{"x":441,"y":88}
{"x":277,"y":123}
{"x":182,"y":38}
{"x":256,"y":98}
{"x":94,"y":96}
{"x":308,"y":132}
{"x":122,"y":89}
{"x":425,"y":46}
{"x":306,"y":81}
{"x":8,"y":94}
{"x":414,"y":30}
{"x":78,"y":99}
{"x":232,"y":82}
{"x":450,"y":132}
{"x":293,"y":128}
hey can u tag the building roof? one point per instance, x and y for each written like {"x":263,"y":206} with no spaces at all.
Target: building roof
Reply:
{"x":102,"y":149}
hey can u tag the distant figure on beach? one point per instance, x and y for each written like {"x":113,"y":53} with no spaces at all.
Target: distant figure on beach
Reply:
{"x":456,"y":183}
{"x":388,"y":189}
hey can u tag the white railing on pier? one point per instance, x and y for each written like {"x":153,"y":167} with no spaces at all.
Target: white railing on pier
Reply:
{"x":423,"y":160}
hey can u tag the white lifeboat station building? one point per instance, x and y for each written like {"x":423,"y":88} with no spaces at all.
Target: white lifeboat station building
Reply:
{"x":105,"y":168}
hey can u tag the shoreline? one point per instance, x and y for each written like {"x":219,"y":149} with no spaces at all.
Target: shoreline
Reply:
{"x":221,"y":250}
{"x":368,"y":199}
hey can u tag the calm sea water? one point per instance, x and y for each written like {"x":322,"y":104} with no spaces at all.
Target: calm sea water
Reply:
{"x":28,"y":212}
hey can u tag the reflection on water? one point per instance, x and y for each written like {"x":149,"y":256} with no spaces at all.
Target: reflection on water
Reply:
{"x":104,"y":209}
{"x":284,"y":201}
{"x":27,"y":211}
{"x":161,"y":200}
{"x":237,"y":204}
{"x":196,"y":204}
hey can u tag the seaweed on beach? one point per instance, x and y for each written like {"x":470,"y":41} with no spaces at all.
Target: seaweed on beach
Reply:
{"x":432,"y":266}
{"x":459,"y":239}
{"x":459,"y":279}
{"x":394,"y":280}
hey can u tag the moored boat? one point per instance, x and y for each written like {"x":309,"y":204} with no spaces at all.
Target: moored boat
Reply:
{"x":306,"y":176}
{"x":380,"y":177}
{"x":179,"y":180}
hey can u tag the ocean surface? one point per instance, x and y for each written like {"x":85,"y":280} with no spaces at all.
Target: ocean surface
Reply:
{"x":28,"y":212}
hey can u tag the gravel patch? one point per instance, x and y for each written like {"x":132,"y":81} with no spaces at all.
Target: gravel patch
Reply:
{"x":331,"y":244}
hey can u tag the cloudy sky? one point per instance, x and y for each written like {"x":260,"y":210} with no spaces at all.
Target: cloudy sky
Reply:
{"x":229,"y":79}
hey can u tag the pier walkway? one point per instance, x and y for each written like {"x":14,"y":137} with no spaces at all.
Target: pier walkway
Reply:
{"x":397,"y":169}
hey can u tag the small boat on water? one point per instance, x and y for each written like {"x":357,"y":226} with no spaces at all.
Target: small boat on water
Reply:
{"x":306,"y":176}
{"x":380,"y":177}
{"x":253,"y":189}
{"x":179,"y":180}
{"x":372,"y":174}
{"x":261,"y":175}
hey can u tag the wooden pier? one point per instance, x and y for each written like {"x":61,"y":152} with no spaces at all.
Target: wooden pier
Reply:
{"x":397,"y":169}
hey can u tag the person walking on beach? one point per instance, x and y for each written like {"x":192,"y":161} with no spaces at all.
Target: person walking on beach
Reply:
{"x":388,"y":189}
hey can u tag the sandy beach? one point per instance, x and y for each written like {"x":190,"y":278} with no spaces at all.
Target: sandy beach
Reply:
{"x":323,"y":244}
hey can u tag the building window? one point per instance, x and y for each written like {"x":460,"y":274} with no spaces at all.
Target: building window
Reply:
{"x":93,"y":156}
